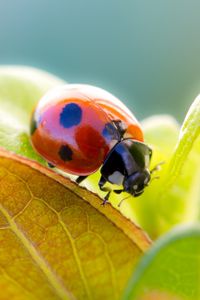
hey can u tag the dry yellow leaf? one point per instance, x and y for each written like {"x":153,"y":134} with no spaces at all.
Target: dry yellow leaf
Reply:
{"x":57,"y":241}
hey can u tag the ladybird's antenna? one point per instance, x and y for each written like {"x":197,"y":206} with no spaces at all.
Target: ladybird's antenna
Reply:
{"x":155,"y":177}
{"x":157,"y":167}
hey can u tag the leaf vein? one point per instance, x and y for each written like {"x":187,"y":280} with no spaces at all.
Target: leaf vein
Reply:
{"x":58,"y":287}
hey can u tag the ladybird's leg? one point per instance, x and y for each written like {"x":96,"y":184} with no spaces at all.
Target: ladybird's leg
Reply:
{"x":50,"y":165}
{"x":101,"y":184}
{"x":120,"y":203}
{"x":106,"y":198}
{"x":81,"y":178}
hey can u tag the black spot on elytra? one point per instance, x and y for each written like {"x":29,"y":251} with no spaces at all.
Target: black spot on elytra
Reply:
{"x":110,"y":132}
{"x":65,"y":153}
{"x":71,"y":115}
{"x":33,"y":126}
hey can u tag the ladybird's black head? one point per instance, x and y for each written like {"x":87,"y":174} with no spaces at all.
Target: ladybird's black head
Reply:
{"x":128,"y":165}
{"x":136,"y":182}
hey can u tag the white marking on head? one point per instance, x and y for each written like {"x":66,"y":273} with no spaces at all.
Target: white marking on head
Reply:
{"x":116,"y":178}
{"x":135,"y":187}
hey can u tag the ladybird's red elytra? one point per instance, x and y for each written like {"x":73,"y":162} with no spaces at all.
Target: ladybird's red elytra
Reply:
{"x":79,"y":128}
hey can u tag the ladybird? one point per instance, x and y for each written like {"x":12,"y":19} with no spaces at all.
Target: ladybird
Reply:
{"x":80,"y":128}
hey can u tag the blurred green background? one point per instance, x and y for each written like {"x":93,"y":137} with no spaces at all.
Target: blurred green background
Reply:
{"x":145,"y":52}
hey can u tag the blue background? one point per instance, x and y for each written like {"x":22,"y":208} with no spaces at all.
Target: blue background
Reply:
{"x":145,"y":52}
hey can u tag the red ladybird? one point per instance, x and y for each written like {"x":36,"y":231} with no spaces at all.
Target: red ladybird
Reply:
{"x":79,"y":128}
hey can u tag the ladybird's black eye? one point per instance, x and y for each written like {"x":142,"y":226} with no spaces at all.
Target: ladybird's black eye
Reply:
{"x":71,"y":115}
{"x":65,"y":153}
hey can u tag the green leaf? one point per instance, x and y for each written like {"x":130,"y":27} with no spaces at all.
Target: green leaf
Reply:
{"x":170,"y":270}
{"x":20,"y":90}
{"x":175,"y":197}
{"x":180,"y":186}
